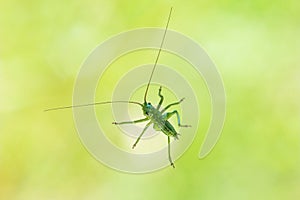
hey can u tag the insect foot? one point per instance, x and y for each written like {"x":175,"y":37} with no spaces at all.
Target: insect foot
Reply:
{"x":185,"y":126}
{"x":172,"y":164}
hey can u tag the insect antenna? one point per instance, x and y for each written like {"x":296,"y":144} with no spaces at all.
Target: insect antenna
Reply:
{"x":161,"y":44}
{"x":92,"y":104}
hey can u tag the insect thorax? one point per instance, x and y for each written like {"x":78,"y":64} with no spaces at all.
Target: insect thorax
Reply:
{"x":151,"y":112}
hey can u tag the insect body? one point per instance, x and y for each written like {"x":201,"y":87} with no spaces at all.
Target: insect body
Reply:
{"x":159,"y":119}
{"x":154,"y":115}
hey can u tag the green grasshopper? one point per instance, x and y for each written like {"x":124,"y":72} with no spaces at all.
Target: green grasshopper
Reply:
{"x":159,"y":118}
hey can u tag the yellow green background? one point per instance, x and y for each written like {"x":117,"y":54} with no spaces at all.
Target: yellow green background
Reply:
{"x":255,"y":45}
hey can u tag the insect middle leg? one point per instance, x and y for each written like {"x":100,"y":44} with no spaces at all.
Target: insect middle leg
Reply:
{"x":170,"y":114}
{"x":131,"y":122}
{"x":138,"y":139}
{"x":172,"y":104}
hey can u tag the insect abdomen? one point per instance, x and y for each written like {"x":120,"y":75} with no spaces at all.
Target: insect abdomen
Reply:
{"x":169,"y":130}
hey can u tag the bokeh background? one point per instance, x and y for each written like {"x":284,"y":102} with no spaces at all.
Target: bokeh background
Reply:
{"x":255,"y":45}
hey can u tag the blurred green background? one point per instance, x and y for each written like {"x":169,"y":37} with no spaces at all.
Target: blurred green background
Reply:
{"x":255,"y":45}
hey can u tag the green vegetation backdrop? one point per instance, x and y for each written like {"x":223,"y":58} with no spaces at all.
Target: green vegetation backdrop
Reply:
{"x":256,"y":46}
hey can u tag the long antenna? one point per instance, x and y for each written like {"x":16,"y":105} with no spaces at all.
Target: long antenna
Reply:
{"x":161,"y":44}
{"x":91,"y":104}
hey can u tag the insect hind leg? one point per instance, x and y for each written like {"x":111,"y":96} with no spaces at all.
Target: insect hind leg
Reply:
{"x":169,"y":153}
{"x":170,"y":114}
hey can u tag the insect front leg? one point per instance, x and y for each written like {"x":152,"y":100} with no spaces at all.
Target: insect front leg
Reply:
{"x":131,"y":122}
{"x":161,"y":98}
{"x":170,"y":114}
{"x":172,"y":104}
{"x":169,"y":152}
{"x":138,"y":139}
